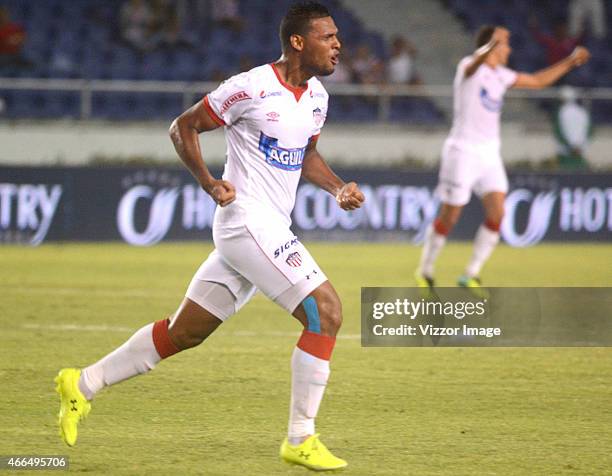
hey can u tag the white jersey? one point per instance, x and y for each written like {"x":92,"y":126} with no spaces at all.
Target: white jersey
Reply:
{"x":478,"y":102}
{"x":268,"y":125}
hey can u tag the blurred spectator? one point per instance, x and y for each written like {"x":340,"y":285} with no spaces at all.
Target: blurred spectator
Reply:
{"x":573,"y":129}
{"x":136,"y":21}
{"x":159,"y":10}
{"x":591,"y":11}
{"x":400,"y":67}
{"x":12,"y":38}
{"x":166,"y":31}
{"x":61,"y":63}
{"x":368,"y":68}
{"x":217,"y":75}
{"x":559,"y":44}
{"x":246,"y":63}
{"x":225,"y":13}
{"x":343,"y":73}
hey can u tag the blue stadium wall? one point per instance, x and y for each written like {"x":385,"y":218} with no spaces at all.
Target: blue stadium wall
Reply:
{"x":143,"y":206}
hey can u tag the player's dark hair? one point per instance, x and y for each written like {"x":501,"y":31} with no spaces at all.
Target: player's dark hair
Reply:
{"x":484,"y":35}
{"x":297,"y":20}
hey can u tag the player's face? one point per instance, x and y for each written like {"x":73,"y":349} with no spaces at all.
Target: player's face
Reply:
{"x":503,"y":53}
{"x":503,"y":49}
{"x":321,"y":47}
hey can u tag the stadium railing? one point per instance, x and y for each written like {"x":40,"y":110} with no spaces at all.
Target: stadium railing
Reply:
{"x":190,"y":91}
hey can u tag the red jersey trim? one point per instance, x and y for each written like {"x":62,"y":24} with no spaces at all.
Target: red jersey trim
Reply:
{"x":297,"y":91}
{"x":213,"y":115}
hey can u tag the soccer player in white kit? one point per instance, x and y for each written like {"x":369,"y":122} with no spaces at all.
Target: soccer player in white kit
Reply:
{"x":272,"y":116}
{"x":471,"y":160}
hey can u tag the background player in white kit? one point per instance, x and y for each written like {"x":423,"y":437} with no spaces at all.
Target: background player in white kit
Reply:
{"x":272,"y":117}
{"x":471,"y":159}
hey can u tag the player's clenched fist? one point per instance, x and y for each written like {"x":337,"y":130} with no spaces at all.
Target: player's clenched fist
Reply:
{"x":222,"y":192}
{"x":580,"y":55}
{"x":349,"y":197}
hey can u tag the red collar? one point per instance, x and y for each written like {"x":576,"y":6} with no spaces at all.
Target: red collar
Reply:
{"x":297,"y":91}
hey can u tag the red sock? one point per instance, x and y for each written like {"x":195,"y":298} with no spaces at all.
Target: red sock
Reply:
{"x":316,"y":344}
{"x":440,"y":228}
{"x":163,"y":344}
{"x":492,"y":225}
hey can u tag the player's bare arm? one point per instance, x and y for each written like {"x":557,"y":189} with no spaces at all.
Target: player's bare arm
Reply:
{"x":482,"y":53}
{"x":317,"y":172}
{"x":548,"y":76}
{"x":184,"y":132}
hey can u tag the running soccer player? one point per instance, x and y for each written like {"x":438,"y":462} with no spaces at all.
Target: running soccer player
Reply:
{"x":272,"y":117}
{"x":471,"y":160}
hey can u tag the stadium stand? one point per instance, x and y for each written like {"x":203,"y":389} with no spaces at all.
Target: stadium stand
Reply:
{"x":81,"y":40}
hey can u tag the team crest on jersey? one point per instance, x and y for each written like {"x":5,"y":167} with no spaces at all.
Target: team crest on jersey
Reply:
{"x":489,"y":103}
{"x":318,"y":116}
{"x":294,"y":259}
{"x":279,"y":157}
{"x":233,"y":99}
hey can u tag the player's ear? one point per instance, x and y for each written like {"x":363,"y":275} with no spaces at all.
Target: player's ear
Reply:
{"x":297,"y":42}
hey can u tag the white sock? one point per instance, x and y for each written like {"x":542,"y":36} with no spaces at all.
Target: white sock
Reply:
{"x":134,"y":357}
{"x":484,"y":243}
{"x":309,"y":378}
{"x":431,"y":249}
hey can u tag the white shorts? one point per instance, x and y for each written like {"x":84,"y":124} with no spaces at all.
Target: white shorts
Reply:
{"x":463,"y":171}
{"x":247,"y":258}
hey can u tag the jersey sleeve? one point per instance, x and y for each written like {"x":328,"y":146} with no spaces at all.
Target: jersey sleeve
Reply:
{"x":462,"y":66}
{"x":508,"y":75}
{"x":320,"y":114}
{"x":230,"y":100}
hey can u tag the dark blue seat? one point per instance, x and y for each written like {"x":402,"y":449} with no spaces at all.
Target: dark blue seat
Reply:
{"x":185,"y":66}
{"x":155,"y":66}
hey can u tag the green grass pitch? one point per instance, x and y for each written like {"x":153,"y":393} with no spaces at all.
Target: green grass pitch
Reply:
{"x":221,"y":409}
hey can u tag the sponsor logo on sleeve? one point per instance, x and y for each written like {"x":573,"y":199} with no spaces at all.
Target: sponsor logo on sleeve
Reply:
{"x":233,"y":99}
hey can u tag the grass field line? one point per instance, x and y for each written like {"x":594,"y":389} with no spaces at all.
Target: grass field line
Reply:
{"x":72,"y":291}
{"x":106,"y":328}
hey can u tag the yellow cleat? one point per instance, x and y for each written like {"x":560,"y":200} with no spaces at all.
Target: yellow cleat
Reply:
{"x":474,"y":285}
{"x":312,"y":454}
{"x":426,"y":286}
{"x":73,"y":404}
